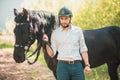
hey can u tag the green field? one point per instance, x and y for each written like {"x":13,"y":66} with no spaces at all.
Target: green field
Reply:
{"x":3,"y":44}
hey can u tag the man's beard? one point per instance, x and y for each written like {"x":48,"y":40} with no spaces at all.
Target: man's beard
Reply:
{"x":65,"y":26}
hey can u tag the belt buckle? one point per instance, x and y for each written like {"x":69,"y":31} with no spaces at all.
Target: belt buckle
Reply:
{"x":71,"y":62}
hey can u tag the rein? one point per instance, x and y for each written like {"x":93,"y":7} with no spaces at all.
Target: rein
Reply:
{"x":36,"y":51}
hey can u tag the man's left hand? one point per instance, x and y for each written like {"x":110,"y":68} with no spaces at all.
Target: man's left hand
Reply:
{"x":87,"y":70}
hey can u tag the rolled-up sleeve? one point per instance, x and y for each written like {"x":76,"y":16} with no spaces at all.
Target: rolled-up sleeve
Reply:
{"x":53,"y":43}
{"x":83,"y":46}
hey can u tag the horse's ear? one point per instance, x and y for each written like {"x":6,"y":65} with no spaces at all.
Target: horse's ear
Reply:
{"x":26,"y":13}
{"x":16,"y":12}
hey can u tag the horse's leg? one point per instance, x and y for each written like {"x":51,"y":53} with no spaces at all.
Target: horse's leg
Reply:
{"x":51,"y":62}
{"x":54,"y":73}
{"x":112,"y":70}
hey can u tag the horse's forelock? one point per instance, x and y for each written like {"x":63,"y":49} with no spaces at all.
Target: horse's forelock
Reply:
{"x":19,"y":30}
{"x":20,"y":18}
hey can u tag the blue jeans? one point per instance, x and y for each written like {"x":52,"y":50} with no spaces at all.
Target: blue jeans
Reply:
{"x":70,"y":71}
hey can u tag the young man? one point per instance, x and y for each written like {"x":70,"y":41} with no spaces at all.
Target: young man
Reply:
{"x":69,"y":41}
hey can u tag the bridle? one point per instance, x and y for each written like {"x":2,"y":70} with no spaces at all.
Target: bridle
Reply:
{"x":26,"y":47}
{"x":30,"y":38}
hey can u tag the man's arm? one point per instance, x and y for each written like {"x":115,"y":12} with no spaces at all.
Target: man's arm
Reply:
{"x":49,"y":50}
{"x":85,"y":58}
{"x":87,"y":69}
{"x":48,"y":47}
{"x":83,"y":50}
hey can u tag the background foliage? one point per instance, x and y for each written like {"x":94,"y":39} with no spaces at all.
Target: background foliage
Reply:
{"x":88,"y":14}
{"x":97,"y":14}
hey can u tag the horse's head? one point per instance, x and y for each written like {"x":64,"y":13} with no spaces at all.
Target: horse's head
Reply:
{"x":24,"y":35}
{"x":31,"y":25}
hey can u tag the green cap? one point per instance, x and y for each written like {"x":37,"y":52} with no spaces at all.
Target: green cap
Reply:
{"x":64,"y":12}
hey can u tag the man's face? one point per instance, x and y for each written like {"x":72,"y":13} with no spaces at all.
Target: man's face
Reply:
{"x":65,"y":21}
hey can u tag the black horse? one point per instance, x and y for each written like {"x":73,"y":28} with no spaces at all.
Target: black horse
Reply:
{"x":30,"y":26}
{"x":103,"y":44}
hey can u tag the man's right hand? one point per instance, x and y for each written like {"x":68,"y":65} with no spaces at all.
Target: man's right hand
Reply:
{"x":45,"y":38}
{"x":48,"y":48}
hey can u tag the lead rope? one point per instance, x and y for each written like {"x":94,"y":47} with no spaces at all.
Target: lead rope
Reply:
{"x":36,"y":51}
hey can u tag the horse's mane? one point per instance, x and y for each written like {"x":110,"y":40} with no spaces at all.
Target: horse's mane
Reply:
{"x":44,"y":16}
{"x":45,"y":19}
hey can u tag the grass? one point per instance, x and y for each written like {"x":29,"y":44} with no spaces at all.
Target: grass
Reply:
{"x":40,"y":59}
{"x":34,"y":72}
{"x":4,"y":44}
{"x":98,"y":73}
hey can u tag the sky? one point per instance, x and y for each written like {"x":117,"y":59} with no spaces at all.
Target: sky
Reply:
{"x":6,"y":10}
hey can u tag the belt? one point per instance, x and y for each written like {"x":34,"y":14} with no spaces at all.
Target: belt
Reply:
{"x":69,"y":62}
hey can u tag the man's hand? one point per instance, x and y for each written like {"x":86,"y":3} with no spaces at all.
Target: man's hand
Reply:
{"x":87,"y":70}
{"x":45,"y":37}
{"x":48,"y":48}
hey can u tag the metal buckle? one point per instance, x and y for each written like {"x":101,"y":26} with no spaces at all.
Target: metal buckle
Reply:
{"x":71,"y":62}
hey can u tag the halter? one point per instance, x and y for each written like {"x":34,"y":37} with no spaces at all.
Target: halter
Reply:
{"x":33,"y":31}
{"x":28,"y":44}
{"x":21,"y":46}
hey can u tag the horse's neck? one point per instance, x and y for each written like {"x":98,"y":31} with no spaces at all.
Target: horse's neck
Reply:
{"x":56,"y":25}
